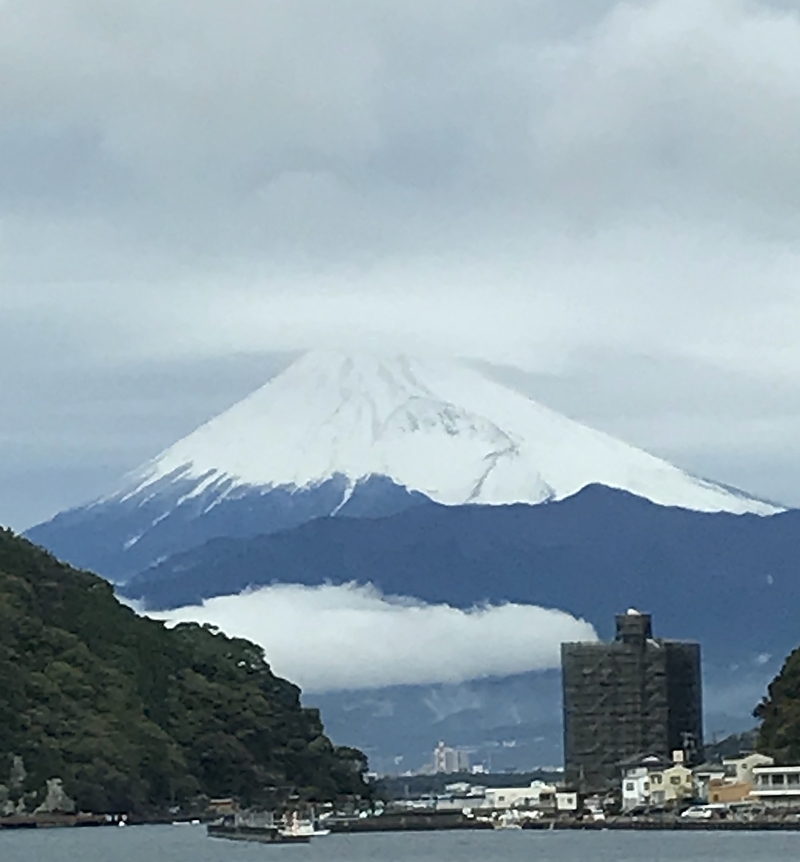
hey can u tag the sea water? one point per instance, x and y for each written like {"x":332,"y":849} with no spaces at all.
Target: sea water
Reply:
{"x":190,"y":844}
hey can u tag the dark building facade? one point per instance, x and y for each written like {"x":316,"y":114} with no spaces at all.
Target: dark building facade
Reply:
{"x":634,"y":696}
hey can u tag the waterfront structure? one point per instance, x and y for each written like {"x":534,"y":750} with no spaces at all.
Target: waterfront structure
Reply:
{"x":537,"y":795}
{"x":633,"y":697}
{"x":727,"y":792}
{"x":777,"y":785}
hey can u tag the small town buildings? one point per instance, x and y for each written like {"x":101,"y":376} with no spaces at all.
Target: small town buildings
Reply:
{"x":461,"y":796}
{"x":728,"y":782}
{"x":777,"y":785}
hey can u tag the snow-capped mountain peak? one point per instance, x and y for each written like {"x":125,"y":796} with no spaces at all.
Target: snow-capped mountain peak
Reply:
{"x":432,"y":426}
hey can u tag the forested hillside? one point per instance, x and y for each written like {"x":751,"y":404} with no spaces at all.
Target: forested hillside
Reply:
{"x":135,"y":717}
{"x":779,"y":712}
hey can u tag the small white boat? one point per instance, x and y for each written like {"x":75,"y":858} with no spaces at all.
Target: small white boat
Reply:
{"x":306,"y":828}
{"x":507,"y":820}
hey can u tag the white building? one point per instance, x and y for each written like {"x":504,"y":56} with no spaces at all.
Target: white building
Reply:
{"x":636,"y":781}
{"x":657,"y":782}
{"x":739,"y":770}
{"x":449,"y":760}
{"x":536,"y":795}
{"x":635,"y":787}
{"x":777,"y":785}
{"x":566,"y":801}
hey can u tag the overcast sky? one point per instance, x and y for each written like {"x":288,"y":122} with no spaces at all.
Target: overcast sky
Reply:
{"x":603,"y":194}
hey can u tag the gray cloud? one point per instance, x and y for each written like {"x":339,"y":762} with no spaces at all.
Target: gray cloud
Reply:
{"x":575,"y":189}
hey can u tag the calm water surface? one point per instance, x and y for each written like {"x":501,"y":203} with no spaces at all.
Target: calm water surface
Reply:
{"x":179,"y":843}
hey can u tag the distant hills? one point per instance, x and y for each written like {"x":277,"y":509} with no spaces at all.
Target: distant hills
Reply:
{"x":713,"y":577}
{"x":133,"y":717}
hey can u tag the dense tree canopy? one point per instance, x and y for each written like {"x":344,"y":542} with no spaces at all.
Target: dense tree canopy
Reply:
{"x":779,"y":712}
{"x":133,"y":716}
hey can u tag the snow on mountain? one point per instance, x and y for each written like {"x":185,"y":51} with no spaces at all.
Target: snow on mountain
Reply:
{"x":435,"y":427}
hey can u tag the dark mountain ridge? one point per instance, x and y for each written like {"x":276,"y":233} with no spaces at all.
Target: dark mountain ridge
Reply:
{"x":712,"y":577}
{"x":131,"y":532}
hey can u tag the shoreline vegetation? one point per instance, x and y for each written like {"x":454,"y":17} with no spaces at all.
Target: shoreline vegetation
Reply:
{"x":106,"y":712}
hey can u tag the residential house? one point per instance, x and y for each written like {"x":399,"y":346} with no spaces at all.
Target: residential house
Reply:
{"x":636,"y":780}
{"x":740,"y":769}
{"x":672,"y":785}
{"x":654,"y":781}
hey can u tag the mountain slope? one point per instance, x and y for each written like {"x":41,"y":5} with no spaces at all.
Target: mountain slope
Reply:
{"x":361,"y":435}
{"x":436,"y":427}
{"x":135,"y":717}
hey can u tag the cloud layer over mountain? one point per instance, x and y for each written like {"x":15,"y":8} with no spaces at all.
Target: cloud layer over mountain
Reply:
{"x":569,"y":187}
{"x":352,"y":637}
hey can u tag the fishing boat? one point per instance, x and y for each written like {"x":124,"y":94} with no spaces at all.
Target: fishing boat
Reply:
{"x":259,"y":828}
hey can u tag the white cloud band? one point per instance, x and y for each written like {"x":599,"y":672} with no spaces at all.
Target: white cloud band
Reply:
{"x":350,"y":637}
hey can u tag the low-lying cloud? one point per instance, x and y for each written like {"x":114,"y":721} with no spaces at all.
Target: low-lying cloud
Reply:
{"x":352,"y":637}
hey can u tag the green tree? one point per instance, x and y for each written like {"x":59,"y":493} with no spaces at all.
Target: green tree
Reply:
{"x":133,"y":716}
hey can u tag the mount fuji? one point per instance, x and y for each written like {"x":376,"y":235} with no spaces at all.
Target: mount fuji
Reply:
{"x":431,"y":481}
{"x":359,"y":435}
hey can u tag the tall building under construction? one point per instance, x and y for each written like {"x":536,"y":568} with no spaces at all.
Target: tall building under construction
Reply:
{"x":632,"y":697}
